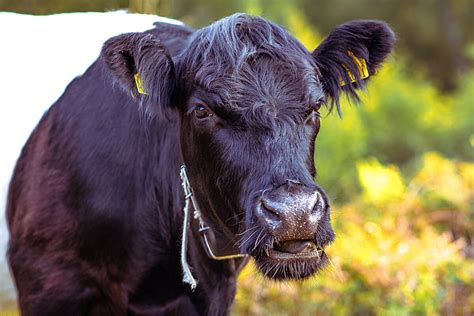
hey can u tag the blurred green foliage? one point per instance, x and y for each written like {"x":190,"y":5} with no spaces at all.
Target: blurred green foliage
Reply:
{"x":58,"y":6}
{"x":401,"y":117}
{"x":399,"y":167}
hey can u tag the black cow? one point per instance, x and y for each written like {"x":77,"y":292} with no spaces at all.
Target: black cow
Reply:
{"x":95,"y":207}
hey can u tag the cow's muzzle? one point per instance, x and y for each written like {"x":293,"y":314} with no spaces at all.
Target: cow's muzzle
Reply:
{"x":292,"y":213}
{"x":295,"y":220}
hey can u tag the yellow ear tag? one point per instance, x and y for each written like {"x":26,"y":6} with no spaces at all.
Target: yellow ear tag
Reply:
{"x":140,"y":85}
{"x":361,"y":65}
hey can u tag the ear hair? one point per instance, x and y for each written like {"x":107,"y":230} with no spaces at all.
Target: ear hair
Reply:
{"x":369,"y":40}
{"x":130,"y":54}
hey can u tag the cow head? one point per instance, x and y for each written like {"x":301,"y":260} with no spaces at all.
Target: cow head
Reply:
{"x":248,"y":96}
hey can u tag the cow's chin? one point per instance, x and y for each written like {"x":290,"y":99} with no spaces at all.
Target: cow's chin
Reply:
{"x":280,"y":265}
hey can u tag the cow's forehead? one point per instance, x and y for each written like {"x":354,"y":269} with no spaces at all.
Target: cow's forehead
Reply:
{"x":277,"y":84}
{"x":253,"y":65}
{"x":264,"y":85}
{"x":230,"y":44}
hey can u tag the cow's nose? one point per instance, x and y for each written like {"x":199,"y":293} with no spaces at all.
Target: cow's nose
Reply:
{"x":291,"y":211}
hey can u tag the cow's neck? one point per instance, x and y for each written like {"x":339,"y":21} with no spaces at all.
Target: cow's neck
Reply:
{"x":216,"y":279}
{"x":211,"y":277}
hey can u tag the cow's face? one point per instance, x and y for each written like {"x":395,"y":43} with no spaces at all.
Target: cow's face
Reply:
{"x":248,"y":128}
{"x":249,"y":95}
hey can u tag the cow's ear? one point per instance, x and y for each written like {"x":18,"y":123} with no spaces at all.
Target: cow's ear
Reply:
{"x":143,"y":67}
{"x":351,"y":54}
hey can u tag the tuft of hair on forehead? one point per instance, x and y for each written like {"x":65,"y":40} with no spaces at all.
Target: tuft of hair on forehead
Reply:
{"x":249,"y":61}
{"x":230,"y":43}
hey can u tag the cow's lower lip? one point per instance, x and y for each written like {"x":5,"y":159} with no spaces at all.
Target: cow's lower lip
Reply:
{"x":292,"y":262}
{"x":276,"y":254}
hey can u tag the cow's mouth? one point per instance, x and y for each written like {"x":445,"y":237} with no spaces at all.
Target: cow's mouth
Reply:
{"x":292,"y":259}
{"x":294,"y":249}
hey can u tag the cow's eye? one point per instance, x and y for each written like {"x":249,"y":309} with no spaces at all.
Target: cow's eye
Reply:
{"x":201,"y":112}
{"x":313,"y":115}
{"x":313,"y":111}
{"x":318,"y":105}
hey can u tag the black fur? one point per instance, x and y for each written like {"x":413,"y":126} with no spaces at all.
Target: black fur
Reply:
{"x":95,"y":203}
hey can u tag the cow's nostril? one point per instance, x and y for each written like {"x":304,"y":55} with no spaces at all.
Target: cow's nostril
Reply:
{"x":269,"y":209}
{"x":319,"y":204}
{"x":269,"y":213}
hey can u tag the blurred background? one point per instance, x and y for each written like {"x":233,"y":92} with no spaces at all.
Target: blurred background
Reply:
{"x":398,"y":167}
